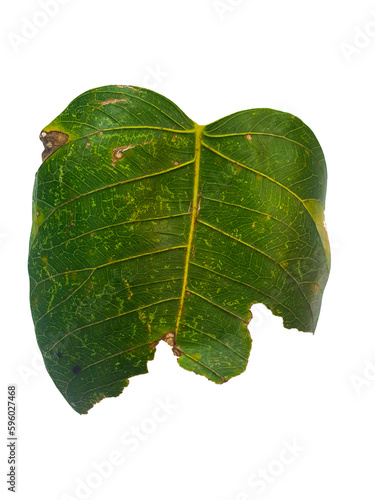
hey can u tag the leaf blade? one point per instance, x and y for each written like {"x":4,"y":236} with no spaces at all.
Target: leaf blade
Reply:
{"x":148,"y":227}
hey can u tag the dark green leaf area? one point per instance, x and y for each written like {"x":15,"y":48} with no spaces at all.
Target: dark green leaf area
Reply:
{"x":276,"y":144}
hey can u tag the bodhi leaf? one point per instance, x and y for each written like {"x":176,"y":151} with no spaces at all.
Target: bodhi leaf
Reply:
{"x":147,"y":226}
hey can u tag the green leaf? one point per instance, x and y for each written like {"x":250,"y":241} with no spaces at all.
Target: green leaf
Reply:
{"x":147,"y":226}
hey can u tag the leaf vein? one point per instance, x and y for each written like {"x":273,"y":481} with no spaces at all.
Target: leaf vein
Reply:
{"x":217,"y":340}
{"x":218,"y":306}
{"x":266,"y":255}
{"x":109,"y":319}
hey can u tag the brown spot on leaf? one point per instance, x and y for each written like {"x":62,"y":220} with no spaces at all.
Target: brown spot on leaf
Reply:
{"x":112,"y":101}
{"x":315,"y":287}
{"x":118,"y":153}
{"x":187,"y":293}
{"x":168,"y":338}
{"x":175,"y":163}
{"x":37,"y":213}
{"x":129,"y":87}
{"x":76,"y":369}
{"x":52,"y":141}
{"x":71,"y":223}
{"x":248,"y":137}
{"x":176,"y":350}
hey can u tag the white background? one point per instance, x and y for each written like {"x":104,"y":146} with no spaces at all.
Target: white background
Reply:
{"x":312,"y":393}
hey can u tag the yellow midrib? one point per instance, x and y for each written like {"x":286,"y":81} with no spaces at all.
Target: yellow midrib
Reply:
{"x":194,"y":210}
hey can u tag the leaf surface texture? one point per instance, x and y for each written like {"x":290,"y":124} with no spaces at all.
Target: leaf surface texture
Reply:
{"x":147,"y":226}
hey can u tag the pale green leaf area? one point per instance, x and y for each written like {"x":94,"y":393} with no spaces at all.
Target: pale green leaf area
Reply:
{"x":147,"y":226}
